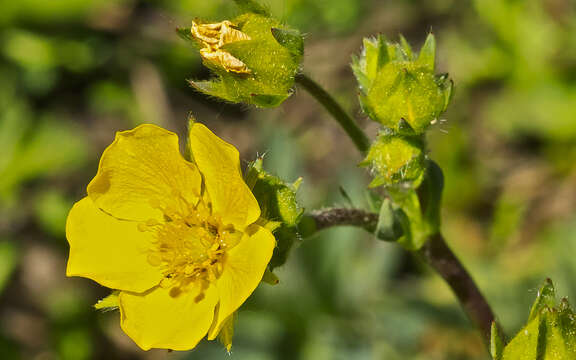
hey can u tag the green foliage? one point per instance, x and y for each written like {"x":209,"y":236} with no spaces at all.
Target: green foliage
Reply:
{"x":513,"y":61}
{"x":279,"y":208}
{"x":399,"y":89}
{"x":29,"y":150}
{"x":8,"y":261}
{"x":51,"y":210}
{"x":395,"y":159}
{"x":272,"y":57}
{"x":549,"y":335}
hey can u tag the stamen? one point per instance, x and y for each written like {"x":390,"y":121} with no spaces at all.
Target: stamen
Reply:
{"x":190,"y":248}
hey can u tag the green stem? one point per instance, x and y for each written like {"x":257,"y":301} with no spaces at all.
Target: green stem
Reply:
{"x":435,"y":252}
{"x":346,"y":122}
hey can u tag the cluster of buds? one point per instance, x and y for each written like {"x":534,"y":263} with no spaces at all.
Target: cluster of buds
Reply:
{"x":254,"y":57}
{"x":400,"y":90}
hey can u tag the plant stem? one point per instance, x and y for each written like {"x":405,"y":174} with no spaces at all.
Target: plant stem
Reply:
{"x":440,"y":257}
{"x":346,"y":122}
{"x":324,"y":219}
{"x":435,"y":252}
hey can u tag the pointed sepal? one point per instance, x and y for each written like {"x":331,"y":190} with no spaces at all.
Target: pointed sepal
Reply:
{"x":427,"y":56}
{"x":109,"y":303}
{"x":550,"y":333}
{"x":278,"y":203}
{"x":496,"y":341}
{"x":291,"y":39}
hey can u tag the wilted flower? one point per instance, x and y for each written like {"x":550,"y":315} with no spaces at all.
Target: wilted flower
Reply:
{"x":254,"y":57}
{"x":177,"y":238}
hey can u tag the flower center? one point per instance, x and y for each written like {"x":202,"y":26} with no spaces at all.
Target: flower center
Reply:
{"x":190,"y":250}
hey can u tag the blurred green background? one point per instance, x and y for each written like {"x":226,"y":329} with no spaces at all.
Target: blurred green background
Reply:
{"x":73,"y":72}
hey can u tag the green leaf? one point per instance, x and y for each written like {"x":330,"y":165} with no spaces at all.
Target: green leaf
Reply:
{"x":550,"y":333}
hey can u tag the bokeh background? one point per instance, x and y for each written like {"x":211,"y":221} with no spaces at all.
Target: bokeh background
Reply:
{"x":73,"y":72}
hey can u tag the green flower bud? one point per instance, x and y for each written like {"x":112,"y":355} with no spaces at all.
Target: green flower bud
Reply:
{"x":254,"y":57}
{"x":278,"y":204}
{"x":549,"y":334}
{"x":395,"y":158}
{"x":399,"y":88}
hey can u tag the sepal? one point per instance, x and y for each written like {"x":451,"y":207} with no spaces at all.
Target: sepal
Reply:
{"x":394,"y":159}
{"x":550,"y":333}
{"x":109,"y":303}
{"x":278,"y":203}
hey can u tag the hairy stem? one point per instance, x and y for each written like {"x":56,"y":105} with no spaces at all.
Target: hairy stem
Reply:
{"x":435,"y":252}
{"x":346,"y":122}
{"x":324,"y":219}
{"x":440,"y":257}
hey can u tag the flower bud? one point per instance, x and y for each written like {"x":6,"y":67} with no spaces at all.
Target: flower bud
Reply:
{"x":254,"y":57}
{"x":399,"y":88}
{"x":394,"y":159}
{"x":279,"y":206}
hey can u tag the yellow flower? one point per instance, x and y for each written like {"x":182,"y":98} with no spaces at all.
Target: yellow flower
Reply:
{"x":177,"y":238}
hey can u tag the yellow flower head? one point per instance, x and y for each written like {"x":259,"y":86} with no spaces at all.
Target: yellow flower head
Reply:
{"x":178,"y":239}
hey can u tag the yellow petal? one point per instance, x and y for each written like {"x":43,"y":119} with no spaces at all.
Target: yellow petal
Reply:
{"x":108,"y":251}
{"x":142,"y":171}
{"x":242,"y":271}
{"x":219,"y":162}
{"x":157,"y":320}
